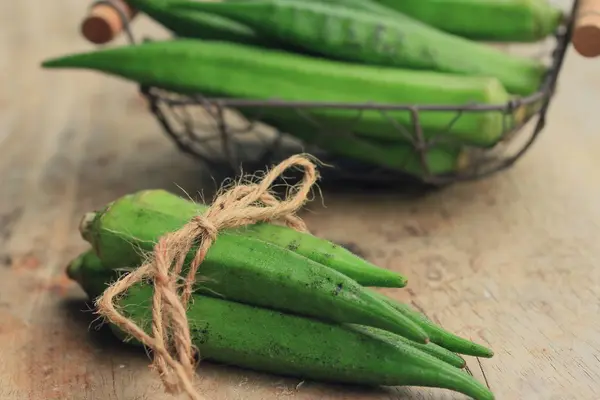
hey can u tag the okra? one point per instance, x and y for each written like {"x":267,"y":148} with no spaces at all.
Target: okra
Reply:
{"x":244,"y":269}
{"x":275,"y":342}
{"x":181,"y":211}
{"x":87,"y":270}
{"x":347,"y":33}
{"x":436,"y":333}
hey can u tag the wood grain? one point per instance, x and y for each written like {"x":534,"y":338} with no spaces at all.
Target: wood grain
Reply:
{"x":511,"y":261}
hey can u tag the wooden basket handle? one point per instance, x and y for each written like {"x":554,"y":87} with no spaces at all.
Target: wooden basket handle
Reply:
{"x":104,"y":20}
{"x":586,"y":35}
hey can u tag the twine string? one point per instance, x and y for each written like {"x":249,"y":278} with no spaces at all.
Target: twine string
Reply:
{"x":175,"y":358}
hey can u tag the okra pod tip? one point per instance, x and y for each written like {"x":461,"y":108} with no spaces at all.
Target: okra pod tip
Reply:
{"x":85,"y":225}
{"x":73,"y":268}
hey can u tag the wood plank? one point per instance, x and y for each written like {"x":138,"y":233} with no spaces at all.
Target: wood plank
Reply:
{"x":510,"y":261}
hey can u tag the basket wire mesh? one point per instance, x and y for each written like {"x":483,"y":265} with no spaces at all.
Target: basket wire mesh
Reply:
{"x":225,"y":132}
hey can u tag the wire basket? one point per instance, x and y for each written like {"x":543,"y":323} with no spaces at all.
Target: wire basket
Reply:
{"x":221,"y":134}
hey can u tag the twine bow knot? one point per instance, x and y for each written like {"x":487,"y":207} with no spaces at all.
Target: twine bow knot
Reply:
{"x":175,"y":357}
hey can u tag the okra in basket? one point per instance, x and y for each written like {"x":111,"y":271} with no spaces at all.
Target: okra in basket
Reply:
{"x":349,"y":52}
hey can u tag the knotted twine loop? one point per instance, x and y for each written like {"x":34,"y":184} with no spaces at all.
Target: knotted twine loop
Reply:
{"x":244,"y":204}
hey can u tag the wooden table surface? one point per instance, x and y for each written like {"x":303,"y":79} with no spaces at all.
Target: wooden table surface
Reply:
{"x":512,"y":261}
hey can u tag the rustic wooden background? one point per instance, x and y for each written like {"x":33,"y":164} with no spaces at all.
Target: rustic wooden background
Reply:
{"x":511,"y":261}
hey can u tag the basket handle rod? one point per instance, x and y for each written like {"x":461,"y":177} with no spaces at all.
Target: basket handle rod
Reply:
{"x":586,"y":35}
{"x":104,"y":21}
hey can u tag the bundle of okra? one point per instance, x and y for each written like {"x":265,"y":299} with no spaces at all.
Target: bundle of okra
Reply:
{"x":276,"y":300}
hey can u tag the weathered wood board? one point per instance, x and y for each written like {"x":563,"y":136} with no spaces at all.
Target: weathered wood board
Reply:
{"x":512,"y":261}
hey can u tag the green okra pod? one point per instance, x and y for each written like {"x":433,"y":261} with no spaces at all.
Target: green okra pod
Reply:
{"x":285,"y":344}
{"x":248,"y":270}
